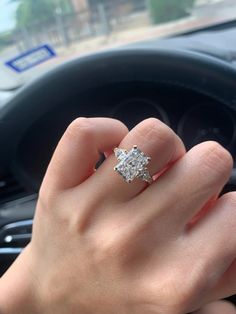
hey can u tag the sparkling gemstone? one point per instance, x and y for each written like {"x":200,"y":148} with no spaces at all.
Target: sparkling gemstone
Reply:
{"x":146,"y":176}
{"x":120,"y":153}
{"x":132,"y":164}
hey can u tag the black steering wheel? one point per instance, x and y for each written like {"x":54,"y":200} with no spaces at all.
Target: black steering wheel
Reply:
{"x":193,"y":71}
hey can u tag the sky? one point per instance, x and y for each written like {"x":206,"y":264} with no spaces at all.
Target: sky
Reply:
{"x":7,"y":15}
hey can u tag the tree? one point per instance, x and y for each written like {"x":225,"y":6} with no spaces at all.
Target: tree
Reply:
{"x":168,"y":10}
{"x":5,"y":40}
{"x":31,"y":11}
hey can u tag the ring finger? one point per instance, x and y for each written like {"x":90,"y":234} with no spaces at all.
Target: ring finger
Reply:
{"x":156,"y":140}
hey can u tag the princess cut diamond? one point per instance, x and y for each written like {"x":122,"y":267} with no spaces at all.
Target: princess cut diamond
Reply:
{"x":132,"y":164}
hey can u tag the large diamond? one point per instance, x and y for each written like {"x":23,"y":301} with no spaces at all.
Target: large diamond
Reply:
{"x":132,"y":164}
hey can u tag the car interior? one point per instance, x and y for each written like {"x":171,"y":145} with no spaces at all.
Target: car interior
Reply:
{"x":188,"y":81}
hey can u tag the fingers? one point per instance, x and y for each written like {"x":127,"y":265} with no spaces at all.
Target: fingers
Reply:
{"x":214,"y":239}
{"x":187,"y":186}
{"x":225,"y":286}
{"x":79,"y":150}
{"x":217,"y":307}
{"x":157,"y":141}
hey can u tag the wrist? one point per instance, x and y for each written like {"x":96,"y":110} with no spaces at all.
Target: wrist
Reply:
{"x":18,"y":288}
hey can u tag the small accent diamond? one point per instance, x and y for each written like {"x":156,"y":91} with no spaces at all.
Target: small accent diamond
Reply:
{"x":120,"y":153}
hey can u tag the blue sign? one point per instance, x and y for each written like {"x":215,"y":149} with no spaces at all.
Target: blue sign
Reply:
{"x":31,"y":58}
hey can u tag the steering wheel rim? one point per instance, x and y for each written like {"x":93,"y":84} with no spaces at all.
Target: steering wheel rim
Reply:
{"x":190,"y":70}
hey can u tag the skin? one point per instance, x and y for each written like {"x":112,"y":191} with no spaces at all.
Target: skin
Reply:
{"x":218,"y":307}
{"x":103,"y":246}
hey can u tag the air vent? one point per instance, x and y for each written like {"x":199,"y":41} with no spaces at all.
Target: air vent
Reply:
{"x":15,"y":235}
{"x":10,"y":189}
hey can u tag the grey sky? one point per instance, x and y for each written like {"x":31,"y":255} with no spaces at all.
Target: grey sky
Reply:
{"x":7,"y":15}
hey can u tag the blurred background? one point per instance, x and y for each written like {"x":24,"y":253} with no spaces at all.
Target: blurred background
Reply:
{"x":77,"y":27}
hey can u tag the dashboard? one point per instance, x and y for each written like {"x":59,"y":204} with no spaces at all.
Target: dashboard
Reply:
{"x":195,"y":118}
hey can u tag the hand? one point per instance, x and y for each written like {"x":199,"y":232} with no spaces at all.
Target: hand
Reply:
{"x":102,"y":246}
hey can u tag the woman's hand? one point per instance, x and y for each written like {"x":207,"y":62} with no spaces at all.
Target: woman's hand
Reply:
{"x":102,"y":246}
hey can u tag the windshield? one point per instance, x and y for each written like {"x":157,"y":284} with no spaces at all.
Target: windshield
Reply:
{"x":36,"y":35}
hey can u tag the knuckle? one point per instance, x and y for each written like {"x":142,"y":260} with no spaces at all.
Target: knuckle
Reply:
{"x":165,"y":134}
{"x":229,"y":199}
{"x":120,"y":125}
{"x":154,"y":130}
{"x":102,"y":252}
{"x":217,"y":158}
{"x":79,"y":127}
{"x":45,"y":200}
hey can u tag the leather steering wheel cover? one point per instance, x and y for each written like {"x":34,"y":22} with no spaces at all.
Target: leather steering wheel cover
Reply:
{"x":194,"y":71}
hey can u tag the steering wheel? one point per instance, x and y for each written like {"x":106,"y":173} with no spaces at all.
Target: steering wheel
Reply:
{"x":193,"y":71}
